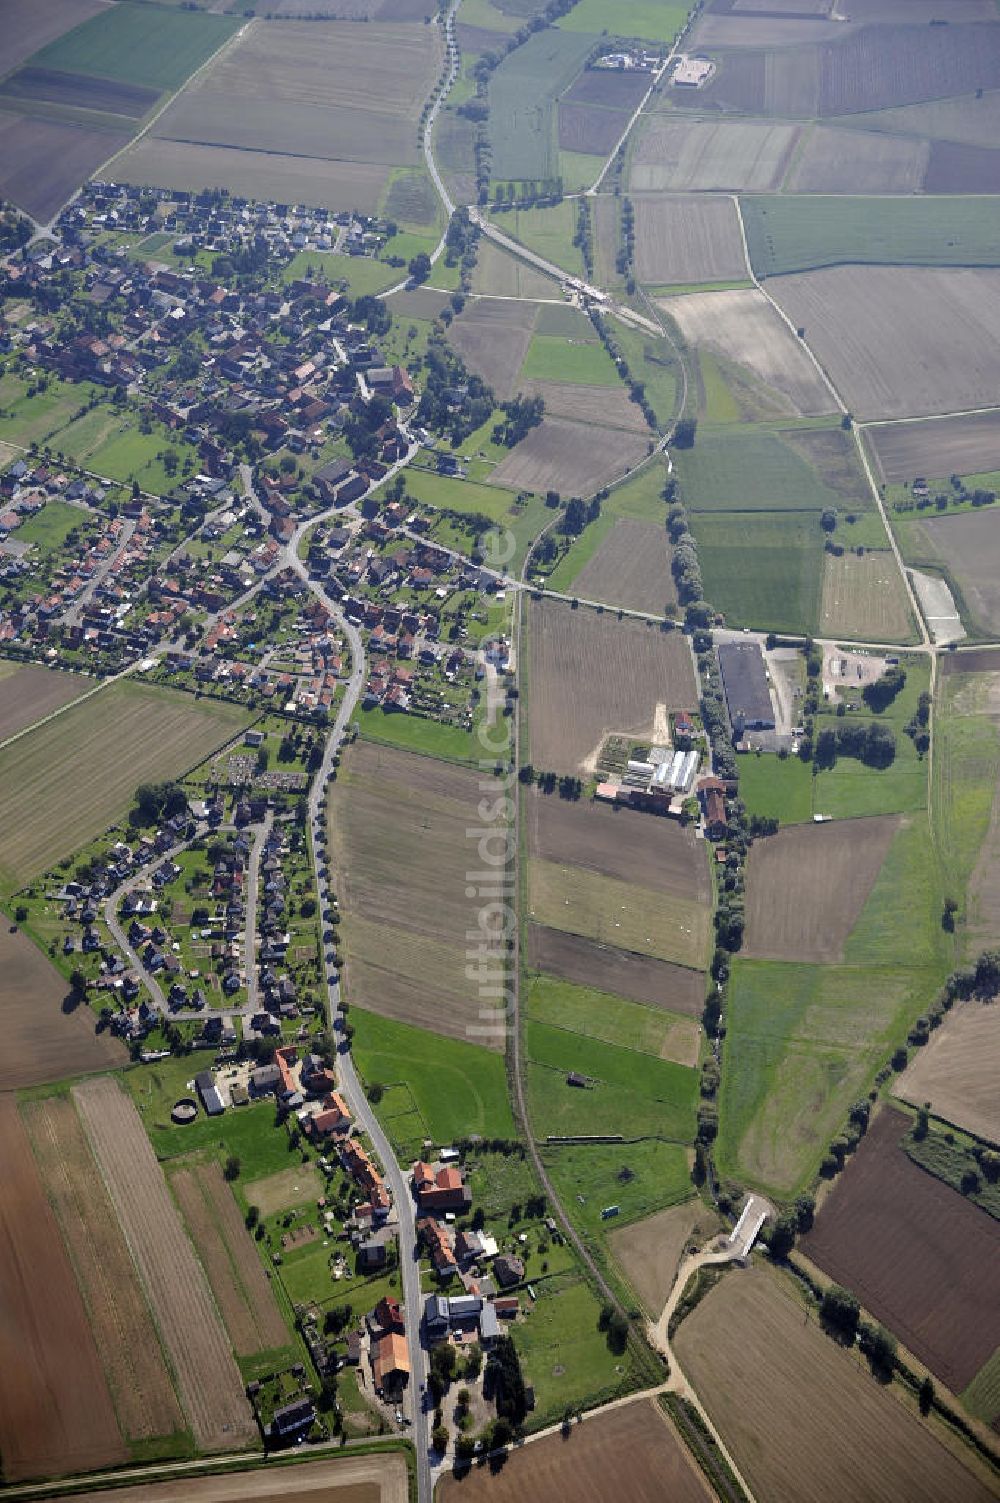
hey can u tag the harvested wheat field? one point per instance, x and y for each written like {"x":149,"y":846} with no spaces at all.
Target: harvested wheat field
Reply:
{"x":348,"y":1479}
{"x":609,"y":406}
{"x":399,"y":848}
{"x":924,"y":1260}
{"x":657,"y":983}
{"x":492,"y":336}
{"x":649,"y":1251}
{"x":864,"y":598}
{"x":742,"y":326}
{"x":208,"y":1379}
{"x":957,"y":1071}
{"x":682,"y":238}
{"x":803,"y":1419}
{"x":631,"y":568}
{"x":644,"y":920}
{"x":56,"y":1414}
{"x":749,"y":156}
{"x":807,"y":885}
{"x":45,"y":1036}
{"x":590,"y":674}
{"x":968,"y":445}
{"x":618,"y":843}
{"x":30,"y":693}
{"x":575,"y":459}
{"x":900,"y":341}
{"x":123,"y":1328}
{"x":631,"y":1452}
{"x":241,"y":1288}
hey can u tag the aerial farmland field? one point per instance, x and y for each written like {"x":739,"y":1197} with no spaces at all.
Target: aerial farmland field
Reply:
{"x":837,"y":159}
{"x":590,"y":675}
{"x":28,"y":694}
{"x":400,"y":848}
{"x":967,"y":445}
{"x":260,"y":175}
{"x":899,"y":342}
{"x":63,"y":767}
{"x":573,"y":458}
{"x":377,"y":1478}
{"x":955,"y":1071}
{"x":30,"y":25}
{"x":159,"y":48}
{"x":120,"y":1319}
{"x":492,"y":336}
{"x":762,"y":569}
{"x":741,"y":326}
{"x":634,"y":1448}
{"x":44,"y":1039}
{"x":788,"y":234}
{"x":656,"y":983}
{"x":806,"y":887}
{"x":919,"y":1256}
{"x":649,"y":1251}
{"x":680,"y":156}
{"x":965,"y":549}
{"x":685,"y":239}
{"x":208,"y":1379}
{"x":523,"y":91}
{"x":56,"y":1414}
{"x":43,"y":161}
{"x":804,"y":1419}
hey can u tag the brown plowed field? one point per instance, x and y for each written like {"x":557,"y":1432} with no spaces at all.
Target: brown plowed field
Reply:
{"x":807,"y":885}
{"x":126,"y":1338}
{"x":253,"y":174}
{"x":239,"y":1283}
{"x":348,"y":1479}
{"x":399,"y":846}
{"x":608,"y":406}
{"x":804,"y":1420}
{"x":42,"y":1042}
{"x":632,"y":1452}
{"x":208,"y":1379}
{"x":615,"y":91}
{"x":649,"y":1251}
{"x":56,"y":1413}
{"x":43,"y":162}
{"x":946,"y":446}
{"x":900,"y":341}
{"x":586,"y":128}
{"x":922,"y":1259}
{"x":687,"y":239}
{"x":957,"y":1071}
{"x":958,"y":168}
{"x":26,"y":694}
{"x":575,"y":459}
{"x":29,"y":25}
{"x":631,"y":568}
{"x":639,"y":977}
{"x":618,"y":843}
{"x":79,"y":91}
{"x":591,"y":675}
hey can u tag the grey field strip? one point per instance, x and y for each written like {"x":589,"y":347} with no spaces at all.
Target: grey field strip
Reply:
{"x":208,"y":1379}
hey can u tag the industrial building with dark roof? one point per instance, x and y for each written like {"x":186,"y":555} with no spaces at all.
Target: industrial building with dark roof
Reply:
{"x":744,"y":680}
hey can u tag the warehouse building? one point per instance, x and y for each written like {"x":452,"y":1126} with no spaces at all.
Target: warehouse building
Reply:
{"x":744,"y":679}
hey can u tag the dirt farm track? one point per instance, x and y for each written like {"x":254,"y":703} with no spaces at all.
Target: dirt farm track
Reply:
{"x":362,"y":1479}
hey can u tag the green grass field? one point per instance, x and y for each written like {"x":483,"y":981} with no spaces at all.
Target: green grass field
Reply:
{"x":548,"y":232}
{"x":109,"y":443}
{"x":635,"y":1094}
{"x":553,"y":359}
{"x":966,"y":773}
{"x":901,"y":921}
{"x":652,"y":361}
{"x":982,"y":1397}
{"x":413,"y":733}
{"x":140,"y":44}
{"x":49,"y":528}
{"x":639,"y":1178}
{"x":249,"y":1133}
{"x":651,"y":20}
{"x":777,"y":787}
{"x":456,"y":1088}
{"x":762,"y":569}
{"x":83,"y":767}
{"x":467,"y":497}
{"x":850,"y":789}
{"x":601,"y":1015}
{"x":802,"y":1043}
{"x":749,"y":470}
{"x":791,"y":233}
{"x":564,"y":1355}
{"x":34,"y":419}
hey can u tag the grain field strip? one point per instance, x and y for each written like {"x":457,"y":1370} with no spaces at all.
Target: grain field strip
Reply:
{"x":208,"y":1379}
{"x":211,"y":1250}
{"x":250,"y":1274}
{"x":123,"y":1329}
